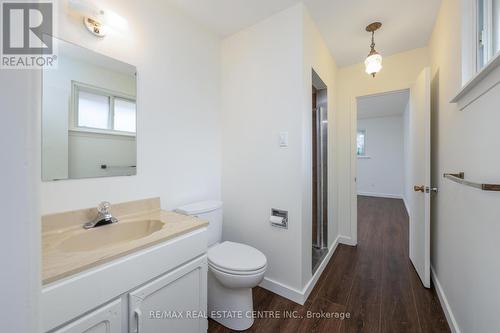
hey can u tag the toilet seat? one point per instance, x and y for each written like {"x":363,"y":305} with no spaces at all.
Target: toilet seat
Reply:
{"x":233,"y":272}
{"x":236,"y":259}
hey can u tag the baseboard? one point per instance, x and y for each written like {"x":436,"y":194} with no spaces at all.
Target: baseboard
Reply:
{"x":347,"y":240}
{"x":381,"y":195}
{"x":295,"y":295}
{"x":452,"y":322}
{"x":283,"y":290}
{"x":314,"y":279}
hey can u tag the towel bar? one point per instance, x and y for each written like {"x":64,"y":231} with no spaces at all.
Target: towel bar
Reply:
{"x":460,"y":179}
{"x":106,"y":166}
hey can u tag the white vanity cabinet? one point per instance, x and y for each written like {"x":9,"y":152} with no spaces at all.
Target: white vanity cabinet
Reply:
{"x":175,"y":302}
{"x":106,"y":319}
{"x":136,"y":293}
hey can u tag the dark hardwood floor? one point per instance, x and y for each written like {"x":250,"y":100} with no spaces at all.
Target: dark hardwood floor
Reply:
{"x":374,"y":282}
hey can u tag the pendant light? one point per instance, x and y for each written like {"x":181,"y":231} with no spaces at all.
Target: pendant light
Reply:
{"x":373,"y":63}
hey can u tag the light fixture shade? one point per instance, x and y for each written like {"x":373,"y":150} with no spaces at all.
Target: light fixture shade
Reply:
{"x":373,"y":64}
{"x":104,"y":17}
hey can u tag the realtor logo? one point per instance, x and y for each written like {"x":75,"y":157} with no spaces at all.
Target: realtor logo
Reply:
{"x":27,"y":30}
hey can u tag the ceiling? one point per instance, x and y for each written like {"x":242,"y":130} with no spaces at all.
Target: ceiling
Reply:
{"x":383,"y":105}
{"x":226,"y":17}
{"x":407,"y":24}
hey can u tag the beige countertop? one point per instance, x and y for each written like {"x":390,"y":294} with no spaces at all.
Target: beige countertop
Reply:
{"x":66,"y":252}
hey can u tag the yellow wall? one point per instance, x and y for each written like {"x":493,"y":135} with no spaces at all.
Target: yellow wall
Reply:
{"x":465,"y":226}
{"x":399,"y":72}
{"x":465,"y":231}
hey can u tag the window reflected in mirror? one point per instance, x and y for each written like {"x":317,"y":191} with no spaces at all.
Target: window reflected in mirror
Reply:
{"x":89,"y":116}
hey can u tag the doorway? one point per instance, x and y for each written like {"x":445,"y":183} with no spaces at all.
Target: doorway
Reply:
{"x":319,"y":170}
{"x":381,"y":144}
{"x":416,"y":184}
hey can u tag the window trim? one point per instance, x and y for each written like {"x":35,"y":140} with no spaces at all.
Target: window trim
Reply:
{"x":475,"y":83}
{"x":76,"y":87}
{"x":487,"y":34}
{"x":364,"y":155}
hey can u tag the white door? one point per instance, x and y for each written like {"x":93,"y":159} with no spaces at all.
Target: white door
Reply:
{"x":106,"y":319}
{"x":175,"y":302}
{"x":419,"y":175}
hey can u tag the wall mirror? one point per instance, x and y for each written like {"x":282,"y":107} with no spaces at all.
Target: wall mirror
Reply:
{"x":88,"y":116}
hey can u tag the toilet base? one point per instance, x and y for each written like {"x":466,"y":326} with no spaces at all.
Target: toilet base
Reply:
{"x":232,"y":308}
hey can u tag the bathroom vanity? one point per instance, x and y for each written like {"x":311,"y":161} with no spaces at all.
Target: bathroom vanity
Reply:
{"x":146,"y":271}
{"x":145,"y":274}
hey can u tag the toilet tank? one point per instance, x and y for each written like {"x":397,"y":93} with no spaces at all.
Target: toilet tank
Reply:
{"x":210,"y":211}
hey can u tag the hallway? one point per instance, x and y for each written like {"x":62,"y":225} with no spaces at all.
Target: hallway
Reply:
{"x":375,"y":282}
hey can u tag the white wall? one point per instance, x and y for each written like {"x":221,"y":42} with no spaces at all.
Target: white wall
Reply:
{"x":266,"y":89}
{"x":262,"y":96}
{"x":88,"y":151}
{"x":317,"y":57}
{"x":178,"y":109}
{"x":19,"y":200}
{"x":465,"y":234}
{"x":399,"y":72}
{"x":179,"y":142}
{"x":381,"y":172}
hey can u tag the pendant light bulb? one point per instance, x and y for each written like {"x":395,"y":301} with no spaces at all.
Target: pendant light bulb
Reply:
{"x":373,"y":63}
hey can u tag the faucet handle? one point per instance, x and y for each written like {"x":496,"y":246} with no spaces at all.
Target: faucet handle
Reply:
{"x":104,"y":207}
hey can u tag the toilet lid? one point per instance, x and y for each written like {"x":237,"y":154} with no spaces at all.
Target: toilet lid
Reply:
{"x":236,"y":257}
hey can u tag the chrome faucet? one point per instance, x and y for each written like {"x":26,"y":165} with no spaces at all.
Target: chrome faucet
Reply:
{"x":103,"y":217}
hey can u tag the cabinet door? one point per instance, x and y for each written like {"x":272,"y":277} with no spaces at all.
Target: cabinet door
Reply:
{"x":175,"y":302}
{"x":106,"y":319}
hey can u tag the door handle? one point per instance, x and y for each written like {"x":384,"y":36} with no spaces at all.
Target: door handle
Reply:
{"x":425,"y":189}
{"x":420,"y":188}
{"x":138,"y":314}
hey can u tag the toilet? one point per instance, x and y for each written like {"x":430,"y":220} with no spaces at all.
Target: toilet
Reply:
{"x":233,"y":270}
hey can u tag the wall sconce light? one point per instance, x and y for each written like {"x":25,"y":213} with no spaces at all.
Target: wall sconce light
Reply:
{"x":373,"y":63}
{"x":97,"y":20}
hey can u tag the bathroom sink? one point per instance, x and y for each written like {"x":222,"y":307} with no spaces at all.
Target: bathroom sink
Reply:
{"x":110,"y":235}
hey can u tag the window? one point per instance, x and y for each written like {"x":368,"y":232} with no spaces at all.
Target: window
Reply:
{"x":124,"y":119}
{"x":103,"y":111}
{"x":93,"y":110}
{"x":488,"y":31}
{"x":361,"y":143}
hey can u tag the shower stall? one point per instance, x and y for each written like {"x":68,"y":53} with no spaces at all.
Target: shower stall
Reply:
{"x":319,"y":171}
